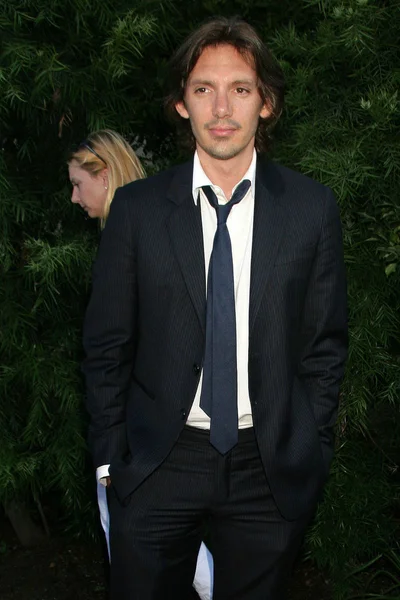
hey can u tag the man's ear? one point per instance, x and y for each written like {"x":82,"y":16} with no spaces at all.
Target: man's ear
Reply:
{"x":181,"y":109}
{"x":266,"y":110}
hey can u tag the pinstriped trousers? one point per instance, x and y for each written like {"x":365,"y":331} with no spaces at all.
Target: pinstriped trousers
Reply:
{"x":155,"y":537}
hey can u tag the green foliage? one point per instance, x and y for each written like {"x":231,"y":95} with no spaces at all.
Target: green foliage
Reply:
{"x":343,"y":114}
{"x":71,"y":66}
{"x":340,"y":127}
{"x":354,"y":522}
{"x":66,"y":67}
{"x":386,"y":570}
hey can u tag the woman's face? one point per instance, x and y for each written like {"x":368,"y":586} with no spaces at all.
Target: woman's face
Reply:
{"x":88,"y":190}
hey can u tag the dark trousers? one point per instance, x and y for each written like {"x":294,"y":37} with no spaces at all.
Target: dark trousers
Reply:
{"x":155,"y":537}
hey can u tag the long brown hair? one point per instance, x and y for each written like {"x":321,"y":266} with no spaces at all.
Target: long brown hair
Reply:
{"x":242,"y":36}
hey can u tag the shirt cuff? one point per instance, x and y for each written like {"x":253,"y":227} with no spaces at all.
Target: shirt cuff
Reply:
{"x":101,"y":474}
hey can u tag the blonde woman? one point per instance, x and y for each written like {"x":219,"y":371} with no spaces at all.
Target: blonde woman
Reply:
{"x":103,"y":162}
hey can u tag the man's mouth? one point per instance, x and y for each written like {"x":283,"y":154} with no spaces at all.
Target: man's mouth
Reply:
{"x":222,"y":131}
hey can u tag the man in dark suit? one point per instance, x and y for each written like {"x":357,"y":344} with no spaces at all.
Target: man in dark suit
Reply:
{"x":216,"y":337}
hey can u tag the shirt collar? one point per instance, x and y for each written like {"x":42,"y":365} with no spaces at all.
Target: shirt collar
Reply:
{"x":200,"y":178}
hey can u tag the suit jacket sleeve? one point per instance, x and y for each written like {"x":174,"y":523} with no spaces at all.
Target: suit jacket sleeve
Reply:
{"x":109,"y":334}
{"x":324,"y":327}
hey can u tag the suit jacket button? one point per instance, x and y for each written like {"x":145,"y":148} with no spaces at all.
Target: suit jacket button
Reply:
{"x":183,"y":414}
{"x":196,"y":369}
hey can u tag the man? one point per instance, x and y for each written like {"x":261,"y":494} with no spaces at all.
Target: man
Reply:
{"x":215,"y":339}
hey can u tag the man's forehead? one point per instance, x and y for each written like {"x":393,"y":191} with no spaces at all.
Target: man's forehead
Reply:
{"x":226,"y":56}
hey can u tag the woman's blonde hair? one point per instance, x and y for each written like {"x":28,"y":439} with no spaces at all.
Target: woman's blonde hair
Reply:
{"x":107,"y":149}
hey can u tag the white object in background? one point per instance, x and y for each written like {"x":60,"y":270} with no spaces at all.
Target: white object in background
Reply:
{"x":204,"y":577}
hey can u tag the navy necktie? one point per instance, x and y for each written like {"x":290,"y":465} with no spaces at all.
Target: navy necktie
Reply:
{"x":219,"y":391}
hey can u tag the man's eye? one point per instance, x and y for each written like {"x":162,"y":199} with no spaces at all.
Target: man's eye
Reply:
{"x":241,"y":90}
{"x":200,"y":90}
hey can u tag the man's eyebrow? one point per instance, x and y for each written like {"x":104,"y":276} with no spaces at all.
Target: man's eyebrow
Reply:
{"x":201,"y":82}
{"x":244,"y":81}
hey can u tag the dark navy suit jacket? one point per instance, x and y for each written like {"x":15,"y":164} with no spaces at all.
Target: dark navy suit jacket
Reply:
{"x":144,"y":331}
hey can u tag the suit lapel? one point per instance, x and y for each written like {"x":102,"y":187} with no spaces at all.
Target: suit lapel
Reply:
{"x":267,"y":232}
{"x":185,"y":230}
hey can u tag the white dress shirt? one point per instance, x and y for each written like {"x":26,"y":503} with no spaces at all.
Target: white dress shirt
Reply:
{"x":240,"y":227}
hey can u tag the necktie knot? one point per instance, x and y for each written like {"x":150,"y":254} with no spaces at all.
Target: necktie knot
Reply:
{"x":223,"y":210}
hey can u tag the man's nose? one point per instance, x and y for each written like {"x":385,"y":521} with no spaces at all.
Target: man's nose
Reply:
{"x":222,"y":105}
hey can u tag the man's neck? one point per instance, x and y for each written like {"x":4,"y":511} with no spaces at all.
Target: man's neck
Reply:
{"x":225,"y":173}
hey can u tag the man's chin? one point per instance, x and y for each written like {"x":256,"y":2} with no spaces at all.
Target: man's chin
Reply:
{"x":221,"y":153}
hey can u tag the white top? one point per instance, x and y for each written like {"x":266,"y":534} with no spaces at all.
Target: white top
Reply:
{"x":240,"y":227}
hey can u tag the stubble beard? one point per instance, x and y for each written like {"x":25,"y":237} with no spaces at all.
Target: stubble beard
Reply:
{"x":222,"y":153}
{"x":223,"y":149}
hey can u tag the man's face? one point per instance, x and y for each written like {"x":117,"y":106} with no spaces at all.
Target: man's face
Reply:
{"x":223,"y":103}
